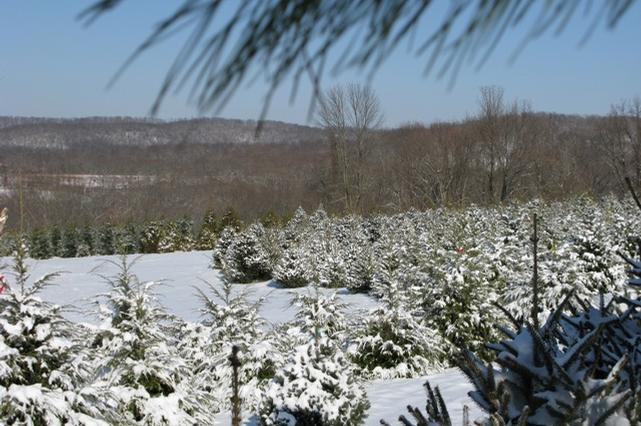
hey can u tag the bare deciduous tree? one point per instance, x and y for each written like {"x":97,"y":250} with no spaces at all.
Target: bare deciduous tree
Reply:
{"x":350,"y":115}
{"x":508,"y":135}
{"x":620,"y":139}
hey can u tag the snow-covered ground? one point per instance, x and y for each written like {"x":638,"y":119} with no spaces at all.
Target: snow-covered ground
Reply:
{"x":83,"y":278}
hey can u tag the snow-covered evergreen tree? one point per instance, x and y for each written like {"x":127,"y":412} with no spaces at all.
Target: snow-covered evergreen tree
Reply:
{"x":248,"y":258}
{"x":55,"y":240}
{"x":152,"y":233}
{"x":231,"y":220}
{"x":230,"y":320}
{"x":184,"y":235}
{"x":293,"y":231}
{"x":317,"y":385}
{"x":227,"y":236}
{"x":106,"y":240}
{"x":394,"y":341}
{"x":86,"y":241}
{"x":293,"y":269}
{"x":128,"y":240}
{"x":138,"y":362}
{"x":41,"y":362}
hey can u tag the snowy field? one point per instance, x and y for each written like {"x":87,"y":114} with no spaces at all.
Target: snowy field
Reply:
{"x":181,"y":272}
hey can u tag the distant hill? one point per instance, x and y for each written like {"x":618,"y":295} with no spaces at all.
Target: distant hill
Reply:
{"x":64,"y":133}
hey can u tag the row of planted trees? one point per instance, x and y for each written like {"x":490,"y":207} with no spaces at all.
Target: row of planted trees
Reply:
{"x":157,"y":236}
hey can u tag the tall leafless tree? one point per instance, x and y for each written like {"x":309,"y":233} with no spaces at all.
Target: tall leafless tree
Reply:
{"x":350,"y":115}
{"x":620,"y":139}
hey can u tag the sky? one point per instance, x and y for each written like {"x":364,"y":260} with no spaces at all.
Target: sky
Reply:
{"x":52,"y":65}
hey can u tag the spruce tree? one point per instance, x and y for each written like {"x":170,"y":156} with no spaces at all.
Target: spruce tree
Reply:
{"x":247,"y":257}
{"x":39,"y":245}
{"x":138,"y":361}
{"x":209,"y":231}
{"x":69,"y":242}
{"x":230,"y":320}
{"x":55,"y":241}
{"x":106,"y":244}
{"x":42,"y":364}
{"x":231,"y":220}
{"x":86,"y":241}
{"x":395,"y":341}
{"x":317,"y":385}
{"x":152,"y":234}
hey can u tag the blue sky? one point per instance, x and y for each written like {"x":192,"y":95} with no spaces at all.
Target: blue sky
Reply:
{"x":51,"y":65}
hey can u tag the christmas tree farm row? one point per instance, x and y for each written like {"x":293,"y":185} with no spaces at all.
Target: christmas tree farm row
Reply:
{"x":157,"y":236}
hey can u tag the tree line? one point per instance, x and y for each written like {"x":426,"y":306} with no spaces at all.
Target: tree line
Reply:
{"x":350,"y":163}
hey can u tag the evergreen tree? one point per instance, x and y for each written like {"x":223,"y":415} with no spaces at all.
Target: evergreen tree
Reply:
{"x":270,"y":220}
{"x":394,"y":341}
{"x":230,"y":320}
{"x":152,"y":234}
{"x":247,"y":258}
{"x":106,"y":244}
{"x":69,"y":242}
{"x":55,"y":241}
{"x":184,"y":235}
{"x":39,"y":245}
{"x":41,"y":361}
{"x":209,"y":231}
{"x":231,"y":220}
{"x":292,"y":269}
{"x":86,"y":241}
{"x":138,"y":360}
{"x":128,"y":240}
{"x":317,"y":385}
{"x":295,"y":228}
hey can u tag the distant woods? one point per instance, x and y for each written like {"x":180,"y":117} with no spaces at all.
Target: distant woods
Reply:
{"x":119,"y":171}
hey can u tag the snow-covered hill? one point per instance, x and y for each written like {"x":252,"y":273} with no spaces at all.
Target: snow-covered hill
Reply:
{"x":83,"y":278}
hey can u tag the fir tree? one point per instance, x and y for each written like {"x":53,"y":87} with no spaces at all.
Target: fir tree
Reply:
{"x":138,"y":359}
{"x":184,"y":235}
{"x":86,"y":241}
{"x":55,"y":241}
{"x":270,"y":220}
{"x":292,"y":269}
{"x":247,"y":258}
{"x":209,"y":231}
{"x":226,"y":238}
{"x":231,"y":321}
{"x":69,"y":242}
{"x":106,"y":242}
{"x":317,"y":386}
{"x":128,"y":240}
{"x":231,"y":220}
{"x":41,"y":362}
{"x":39,"y":245}
{"x":394,"y":341}
{"x":152,"y":234}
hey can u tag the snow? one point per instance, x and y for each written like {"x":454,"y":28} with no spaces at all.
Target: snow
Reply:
{"x":389,"y":398}
{"x":81,"y":280}
{"x":180,"y":272}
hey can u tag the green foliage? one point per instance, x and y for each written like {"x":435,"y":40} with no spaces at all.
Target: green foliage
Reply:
{"x":209,"y":231}
{"x":231,"y":220}
{"x":69,"y":243}
{"x":55,"y":240}
{"x":106,"y":243}
{"x":39,"y":245}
